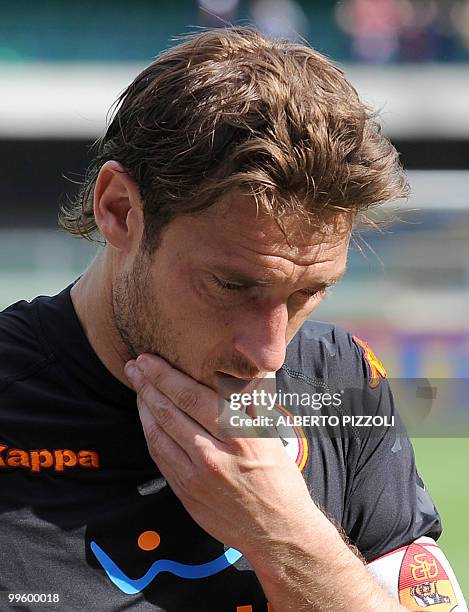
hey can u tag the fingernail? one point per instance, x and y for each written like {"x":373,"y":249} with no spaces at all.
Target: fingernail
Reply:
{"x":130,"y":369}
{"x":141,"y":361}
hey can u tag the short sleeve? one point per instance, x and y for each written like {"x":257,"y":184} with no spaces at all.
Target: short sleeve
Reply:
{"x":387,"y":505}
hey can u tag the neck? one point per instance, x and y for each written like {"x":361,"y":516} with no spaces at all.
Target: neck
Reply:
{"x":92,"y":299}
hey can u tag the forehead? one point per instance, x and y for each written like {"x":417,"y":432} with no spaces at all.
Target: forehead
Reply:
{"x":235,"y":226}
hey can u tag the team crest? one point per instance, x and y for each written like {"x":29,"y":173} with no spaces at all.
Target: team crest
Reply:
{"x":377,"y":369}
{"x":423,"y":583}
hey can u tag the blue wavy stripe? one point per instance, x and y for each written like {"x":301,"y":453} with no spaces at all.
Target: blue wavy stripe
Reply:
{"x":130,"y":586}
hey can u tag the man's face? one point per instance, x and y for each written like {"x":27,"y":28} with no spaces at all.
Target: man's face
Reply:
{"x":225,"y":293}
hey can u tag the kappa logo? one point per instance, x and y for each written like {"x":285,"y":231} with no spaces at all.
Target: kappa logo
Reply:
{"x":58,"y":459}
{"x":377,"y":369}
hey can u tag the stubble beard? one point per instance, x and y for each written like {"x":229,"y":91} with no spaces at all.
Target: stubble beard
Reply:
{"x":138,"y":314}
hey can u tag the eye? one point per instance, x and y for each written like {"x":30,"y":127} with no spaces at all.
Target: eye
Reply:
{"x":237,"y":287}
{"x":314,"y":293}
{"x":227,"y":286}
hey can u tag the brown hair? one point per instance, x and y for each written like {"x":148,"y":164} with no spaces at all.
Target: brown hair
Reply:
{"x":232,"y":109}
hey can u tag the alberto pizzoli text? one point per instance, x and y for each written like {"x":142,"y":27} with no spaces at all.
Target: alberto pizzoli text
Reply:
{"x":310,"y":420}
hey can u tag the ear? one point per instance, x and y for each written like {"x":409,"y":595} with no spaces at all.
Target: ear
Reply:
{"x":118,"y":207}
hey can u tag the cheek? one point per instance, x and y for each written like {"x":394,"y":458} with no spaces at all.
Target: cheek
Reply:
{"x":199,"y":322}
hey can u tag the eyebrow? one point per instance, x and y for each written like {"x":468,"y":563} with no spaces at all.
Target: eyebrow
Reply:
{"x":238,"y":276}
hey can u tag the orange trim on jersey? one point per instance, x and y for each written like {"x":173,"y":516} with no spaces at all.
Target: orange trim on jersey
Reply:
{"x":377,"y":369}
{"x":303,"y":450}
{"x":250,"y":608}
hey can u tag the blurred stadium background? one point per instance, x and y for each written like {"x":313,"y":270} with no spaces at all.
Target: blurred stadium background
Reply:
{"x":62,"y":64}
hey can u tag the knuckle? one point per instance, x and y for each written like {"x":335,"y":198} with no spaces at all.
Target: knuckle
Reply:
{"x":191,"y":481}
{"x":164,"y":414}
{"x":152,"y":374}
{"x":158,"y":378}
{"x":187,"y":400}
{"x":210,"y":460}
{"x":212,"y":466}
{"x":200,"y":444}
{"x":238,"y":446}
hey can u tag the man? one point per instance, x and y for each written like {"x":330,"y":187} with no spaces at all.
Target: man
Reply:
{"x":225,"y":190}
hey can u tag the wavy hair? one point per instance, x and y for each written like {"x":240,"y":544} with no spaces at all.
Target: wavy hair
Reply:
{"x":233,"y":109}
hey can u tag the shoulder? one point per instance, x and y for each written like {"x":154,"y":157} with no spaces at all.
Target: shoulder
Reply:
{"x":326,"y":351}
{"x":21,"y":352}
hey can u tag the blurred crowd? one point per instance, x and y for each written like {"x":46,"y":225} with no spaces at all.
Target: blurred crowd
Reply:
{"x":405,"y":30}
{"x":376,"y":31}
{"x":373,"y":31}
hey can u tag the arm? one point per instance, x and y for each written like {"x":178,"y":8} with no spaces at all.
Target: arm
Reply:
{"x":318,"y":573}
{"x":247,"y":493}
{"x":390,"y":507}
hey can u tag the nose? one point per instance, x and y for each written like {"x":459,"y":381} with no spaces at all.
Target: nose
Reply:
{"x":261,"y":339}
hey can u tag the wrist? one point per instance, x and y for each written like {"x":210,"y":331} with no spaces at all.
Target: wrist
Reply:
{"x":296,"y":572}
{"x":312,"y":540}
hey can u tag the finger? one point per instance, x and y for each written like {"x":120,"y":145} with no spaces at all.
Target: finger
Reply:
{"x":193,"y":398}
{"x":164,"y":458}
{"x":162,"y":448}
{"x":186,"y":432}
{"x":135,"y":376}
